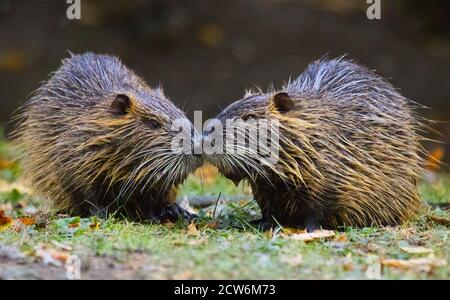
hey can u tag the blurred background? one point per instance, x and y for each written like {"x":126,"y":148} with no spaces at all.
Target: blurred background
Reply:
{"x":205,"y":53}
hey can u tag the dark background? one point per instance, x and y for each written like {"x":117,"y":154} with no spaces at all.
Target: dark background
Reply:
{"x":205,"y":53}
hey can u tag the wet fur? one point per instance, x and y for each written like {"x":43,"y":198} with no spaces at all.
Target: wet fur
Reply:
{"x":85,"y":158}
{"x":350,"y":151}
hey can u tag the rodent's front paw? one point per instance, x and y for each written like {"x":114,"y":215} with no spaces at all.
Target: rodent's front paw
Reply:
{"x":174,"y":212}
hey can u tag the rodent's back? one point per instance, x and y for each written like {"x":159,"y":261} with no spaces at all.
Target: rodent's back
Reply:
{"x":365,"y":139}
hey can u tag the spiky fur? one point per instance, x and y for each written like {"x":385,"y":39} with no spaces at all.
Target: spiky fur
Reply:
{"x":350,"y":150}
{"x":84,"y":158}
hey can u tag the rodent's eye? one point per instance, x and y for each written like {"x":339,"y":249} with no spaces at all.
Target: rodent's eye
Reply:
{"x":152,"y":123}
{"x":248,"y":117}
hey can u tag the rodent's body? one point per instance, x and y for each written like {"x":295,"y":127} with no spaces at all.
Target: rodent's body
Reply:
{"x":349,"y":150}
{"x":96,"y":139}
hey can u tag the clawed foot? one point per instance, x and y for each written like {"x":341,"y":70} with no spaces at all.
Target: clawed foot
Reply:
{"x":174,"y":212}
{"x":311,"y":224}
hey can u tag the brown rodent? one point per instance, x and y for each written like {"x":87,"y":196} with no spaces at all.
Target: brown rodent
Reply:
{"x":97,"y":140}
{"x":349,"y":150}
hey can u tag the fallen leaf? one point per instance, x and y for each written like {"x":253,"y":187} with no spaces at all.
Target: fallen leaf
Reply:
{"x":291,"y":231}
{"x":169,"y":224}
{"x":5,"y":221}
{"x":51,"y":256}
{"x":95,"y":223}
{"x":342,"y":237}
{"x":422,"y":264}
{"x":75,"y":222}
{"x":212,"y":224}
{"x":17,"y":226}
{"x":192,"y":229}
{"x":416,"y":250}
{"x":28,"y":221}
{"x":311,"y":236}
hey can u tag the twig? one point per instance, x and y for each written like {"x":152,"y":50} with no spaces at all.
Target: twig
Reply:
{"x":215,"y":206}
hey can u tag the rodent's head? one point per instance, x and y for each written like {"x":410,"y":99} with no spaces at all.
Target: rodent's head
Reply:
{"x":109,"y":125}
{"x":257,"y":119}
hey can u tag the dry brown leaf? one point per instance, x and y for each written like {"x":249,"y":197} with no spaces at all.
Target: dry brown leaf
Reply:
{"x":192,"y":229}
{"x":169,"y":224}
{"x":311,"y":236}
{"x":51,"y":256}
{"x":416,"y":249}
{"x":342,"y":237}
{"x":27,"y":221}
{"x":424,"y":264}
{"x":5,"y":221}
{"x":95,"y":224}
{"x":212,"y":224}
{"x":74,"y":224}
{"x":17,"y":226}
{"x":291,"y":231}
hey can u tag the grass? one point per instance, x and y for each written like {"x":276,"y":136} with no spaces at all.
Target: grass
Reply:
{"x":228,"y":249}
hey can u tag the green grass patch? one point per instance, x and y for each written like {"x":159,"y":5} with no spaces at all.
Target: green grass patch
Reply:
{"x":228,"y":247}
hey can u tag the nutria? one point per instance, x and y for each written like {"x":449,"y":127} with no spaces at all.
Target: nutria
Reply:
{"x":97,"y":140}
{"x":349,"y":150}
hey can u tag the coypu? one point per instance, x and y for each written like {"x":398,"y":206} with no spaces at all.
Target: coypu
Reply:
{"x":349,"y":150}
{"x":97,"y":140}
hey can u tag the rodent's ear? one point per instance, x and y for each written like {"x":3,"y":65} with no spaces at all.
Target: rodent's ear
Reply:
{"x":121,"y":104}
{"x":281,"y":102}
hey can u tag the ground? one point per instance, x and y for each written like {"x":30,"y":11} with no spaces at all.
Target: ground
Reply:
{"x":221,"y":245}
